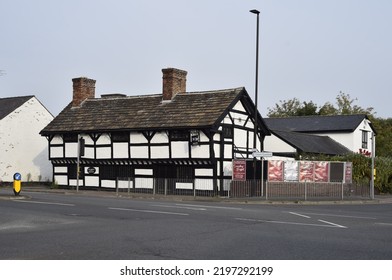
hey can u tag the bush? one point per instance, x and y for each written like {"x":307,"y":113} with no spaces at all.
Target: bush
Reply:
{"x":362,"y":166}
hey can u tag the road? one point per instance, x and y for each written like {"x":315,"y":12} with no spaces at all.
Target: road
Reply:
{"x":87,"y":227}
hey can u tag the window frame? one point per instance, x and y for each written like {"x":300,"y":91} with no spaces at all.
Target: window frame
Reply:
{"x":365,"y":139}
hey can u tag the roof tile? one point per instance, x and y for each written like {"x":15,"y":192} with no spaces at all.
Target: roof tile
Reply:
{"x":185,"y":110}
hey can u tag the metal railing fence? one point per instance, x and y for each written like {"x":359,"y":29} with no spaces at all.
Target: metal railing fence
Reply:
{"x":243,"y":189}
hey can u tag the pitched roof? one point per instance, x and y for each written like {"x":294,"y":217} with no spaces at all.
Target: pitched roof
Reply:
{"x":10,"y":104}
{"x":311,"y":143}
{"x":343,"y":123}
{"x":185,"y":110}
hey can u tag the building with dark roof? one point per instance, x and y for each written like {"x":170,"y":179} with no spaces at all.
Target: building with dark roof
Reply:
{"x":330,"y":135}
{"x":187,"y":136}
{"x":22,"y":149}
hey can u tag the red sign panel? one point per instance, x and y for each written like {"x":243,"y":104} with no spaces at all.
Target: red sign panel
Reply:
{"x":321,"y":171}
{"x":306,"y":171}
{"x":239,"y":170}
{"x":349,"y":173}
{"x":275,"y":170}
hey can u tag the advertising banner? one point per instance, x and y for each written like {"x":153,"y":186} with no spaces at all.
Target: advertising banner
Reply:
{"x":306,"y":171}
{"x":275,"y":170}
{"x":291,"y":171}
{"x":321,"y":171}
{"x":239,"y":170}
{"x":348,"y":176}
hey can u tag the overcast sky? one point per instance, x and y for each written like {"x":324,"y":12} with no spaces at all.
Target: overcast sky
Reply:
{"x":309,"y":49}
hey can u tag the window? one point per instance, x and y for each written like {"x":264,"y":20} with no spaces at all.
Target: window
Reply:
{"x":364,"y":139}
{"x":185,"y":174}
{"x":179,"y":135}
{"x":120,"y":137}
{"x":227,"y":132}
{"x":108,"y":172}
{"x":70,"y":137}
{"x":72,"y":171}
{"x":113,"y":172}
{"x":124,"y":171}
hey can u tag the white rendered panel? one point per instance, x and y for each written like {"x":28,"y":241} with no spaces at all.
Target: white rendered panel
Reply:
{"x":92,"y":181}
{"x":160,"y":152}
{"x":61,"y":180}
{"x":139,"y":152}
{"x":120,"y":150}
{"x":56,"y":152}
{"x":180,"y":149}
{"x":103,"y":152}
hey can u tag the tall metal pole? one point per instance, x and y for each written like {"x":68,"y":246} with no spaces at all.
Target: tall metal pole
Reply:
{"x":78,"y":165}
{"x":256,"y":12}
{"x":372,"y":174}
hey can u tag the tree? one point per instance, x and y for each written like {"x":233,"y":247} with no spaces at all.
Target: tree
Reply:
{"x":383,"y":137}
{"x":345,"y":105}
{"x":307,"y":109}
{"x":328,"y":109}
{"x":287,"y":108}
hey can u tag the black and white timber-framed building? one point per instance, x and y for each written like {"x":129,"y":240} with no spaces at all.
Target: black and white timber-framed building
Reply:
{"x":188,"y":136}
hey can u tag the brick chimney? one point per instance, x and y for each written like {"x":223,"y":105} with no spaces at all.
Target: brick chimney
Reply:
{"x":174,"y":81}
{"x":83,"y":88}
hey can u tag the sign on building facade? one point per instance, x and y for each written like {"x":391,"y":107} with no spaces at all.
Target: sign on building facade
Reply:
{"x":239,"y":170}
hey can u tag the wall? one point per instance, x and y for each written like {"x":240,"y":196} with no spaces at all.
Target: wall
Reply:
{"x":148,"y":151}
{"x":275,"y":144}
{"x":22,"y":148}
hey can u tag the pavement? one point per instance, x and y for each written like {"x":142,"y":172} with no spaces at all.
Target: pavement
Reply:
{"x":6,"y":193}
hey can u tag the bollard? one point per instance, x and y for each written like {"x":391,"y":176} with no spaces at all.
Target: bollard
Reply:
{"x":17,"y":183}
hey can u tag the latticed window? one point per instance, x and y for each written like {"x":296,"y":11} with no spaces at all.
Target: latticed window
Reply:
{"x":185,"y":173}
{"x":364,"y":139}
{"x":227,"y":132}
{"x":120,"y":136}
{"x":179,"y":135}
{"x":70,"y":137}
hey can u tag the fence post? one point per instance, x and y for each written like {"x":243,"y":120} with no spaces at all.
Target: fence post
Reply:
{"x":342,"y":191}
{"x":165,"y":186}
{"x":262,"y":187}
{"x":306,"y":188}
{"x":266,"y":190}
{"x":194,"y":188}
{"x":117,"y":186}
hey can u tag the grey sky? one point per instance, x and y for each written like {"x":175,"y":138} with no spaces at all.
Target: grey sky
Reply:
{"x":309,"y":49}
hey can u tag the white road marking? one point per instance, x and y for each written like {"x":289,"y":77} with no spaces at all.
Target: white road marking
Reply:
{"x":293,"y":213}
{"x":290,"y":223}
{"x":213,"y":207}
{"x":14,"y":226}
{"x":181,"y":207}
{"x":333,"y":224}
{"x":308,"y":217}
{"x":149,"y":211}
{"x":384,"y":224}
{"x":341,"y":216}
{"x":42,"y":202}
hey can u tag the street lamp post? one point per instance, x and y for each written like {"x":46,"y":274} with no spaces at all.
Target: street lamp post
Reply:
{"x":256,"y":12}
{"x":373,"y":170}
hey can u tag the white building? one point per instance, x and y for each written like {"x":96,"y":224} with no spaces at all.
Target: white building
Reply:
{"x":331,"y":135}
{"x":22,"y":149}
{"x":187,"y":136}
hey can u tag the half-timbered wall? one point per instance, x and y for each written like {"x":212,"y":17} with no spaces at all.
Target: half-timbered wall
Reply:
{"x":203,"y":158}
